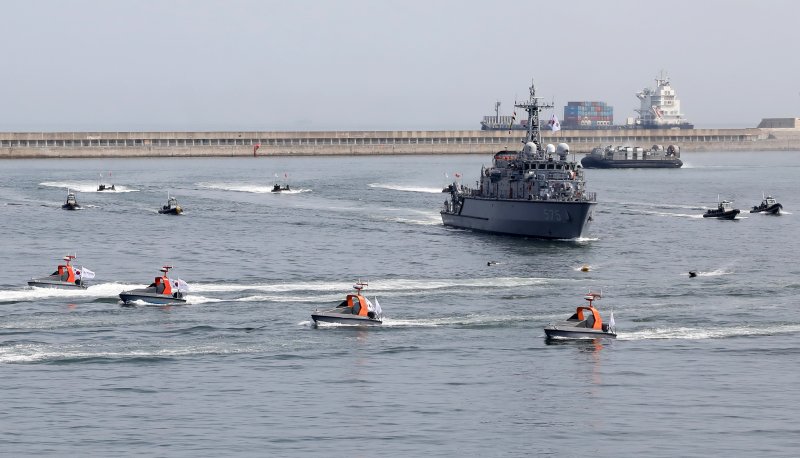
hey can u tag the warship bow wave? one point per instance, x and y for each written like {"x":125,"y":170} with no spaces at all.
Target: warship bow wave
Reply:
{"x":535,"y":192}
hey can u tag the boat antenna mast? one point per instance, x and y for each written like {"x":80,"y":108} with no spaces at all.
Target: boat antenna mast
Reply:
{"x":534,"y":107}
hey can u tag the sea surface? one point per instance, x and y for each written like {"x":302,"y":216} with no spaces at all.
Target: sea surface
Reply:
{"x":704,"y":366}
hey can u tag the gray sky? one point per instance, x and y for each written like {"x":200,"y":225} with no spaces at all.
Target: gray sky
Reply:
{"x":352,"y":64}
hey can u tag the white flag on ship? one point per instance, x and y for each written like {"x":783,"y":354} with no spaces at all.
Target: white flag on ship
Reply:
{"x":555,"y":126}
{"x":180,"y":285}
{"x":84,"y":274}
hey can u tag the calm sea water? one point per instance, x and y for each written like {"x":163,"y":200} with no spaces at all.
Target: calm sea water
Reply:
{"x":703,"y":366}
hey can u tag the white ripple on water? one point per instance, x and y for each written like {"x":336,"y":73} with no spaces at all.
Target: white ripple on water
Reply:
{"x":93,"y":291}
{"x":395,"y":187}
{"x":247,"y":187}
{"x":28,"y":353}
{"x":375,"y":286}
{"x":86,"y":186}
{"x":689,"y":333}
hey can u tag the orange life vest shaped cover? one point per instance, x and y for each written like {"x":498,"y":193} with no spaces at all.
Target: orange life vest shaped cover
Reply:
{"x":70,"y":272}
{"x":167,"y":286}
{"x":598,"y":322}
{"x":353,"y":299}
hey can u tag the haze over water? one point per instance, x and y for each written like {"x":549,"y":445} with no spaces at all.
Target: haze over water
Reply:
{"x":702,"y":366}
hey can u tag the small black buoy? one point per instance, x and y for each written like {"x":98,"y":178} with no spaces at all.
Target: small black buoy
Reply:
{"x":692,"y":273}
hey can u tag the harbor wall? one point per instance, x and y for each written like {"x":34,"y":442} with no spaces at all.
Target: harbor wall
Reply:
{"x":198,"y":144}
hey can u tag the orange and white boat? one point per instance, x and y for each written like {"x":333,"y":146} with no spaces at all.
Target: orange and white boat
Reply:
{"x":163,"y":291}
{"x":354,"y":309}
{"x":66,"y":276}
{"x":585,"y":323}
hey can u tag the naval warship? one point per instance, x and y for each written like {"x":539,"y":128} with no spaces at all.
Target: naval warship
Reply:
{"x":533,"y":192}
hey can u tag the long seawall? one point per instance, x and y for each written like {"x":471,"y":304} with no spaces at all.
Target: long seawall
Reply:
{"x":175,"y":144}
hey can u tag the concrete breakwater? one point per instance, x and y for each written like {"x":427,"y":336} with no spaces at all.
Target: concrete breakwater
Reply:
{"x":190,"y":144}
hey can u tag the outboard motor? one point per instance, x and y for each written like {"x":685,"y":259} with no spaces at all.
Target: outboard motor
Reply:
{"x":563,"y":151}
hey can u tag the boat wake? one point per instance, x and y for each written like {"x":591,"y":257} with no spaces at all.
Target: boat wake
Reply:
{"x":689,"y":333}
{"x":251,"y":188}
{"x":715,"y":273}
{"x":37,"y":353}
{"x":86,"y":186}
{"x":394,"y":187}
{"x":94,"y":291}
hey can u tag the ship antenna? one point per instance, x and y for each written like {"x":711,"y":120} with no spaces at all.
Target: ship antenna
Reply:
{"x":534,"y":108}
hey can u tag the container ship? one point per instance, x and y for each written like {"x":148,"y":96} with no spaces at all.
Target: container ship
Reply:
{"x":660,"y":107}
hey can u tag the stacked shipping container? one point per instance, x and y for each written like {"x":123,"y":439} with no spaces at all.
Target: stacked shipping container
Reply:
{"x":587,"y":115}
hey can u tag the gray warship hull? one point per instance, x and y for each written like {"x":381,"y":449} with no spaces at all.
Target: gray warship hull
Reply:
{"x":526,"y":218}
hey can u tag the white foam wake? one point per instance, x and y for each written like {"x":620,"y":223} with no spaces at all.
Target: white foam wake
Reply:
{"x":689,"y":333}
{"x":251,"y":188}
{"x":93,"y":291}
{"x":395,"y":187}
{"x":86,"y":186}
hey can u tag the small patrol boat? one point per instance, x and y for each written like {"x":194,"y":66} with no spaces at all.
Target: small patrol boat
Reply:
{"x":354,"y":309}
{"x":163,"y":291}
{"x":279,"y":188}
{"x":582,"y":325}
{"x":66,"y":276}
{"x":769,"y":205}
{"x":724,"y":210}
{"x":171,"y":207}
{"x":72,"y":202}
{"x":104,"y":187}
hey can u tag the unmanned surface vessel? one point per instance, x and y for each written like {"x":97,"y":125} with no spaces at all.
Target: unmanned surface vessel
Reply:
{"x":354,"y":309}
{"x":66,"y":276}
{"x":163,"y":291}
{"x":585,"y":323}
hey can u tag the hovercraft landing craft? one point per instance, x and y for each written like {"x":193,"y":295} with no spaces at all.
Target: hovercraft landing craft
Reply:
{"x":355,"y":309}
{"x":66,"y":276}
{"x":163,"y":291}
{"x":581,"y":326}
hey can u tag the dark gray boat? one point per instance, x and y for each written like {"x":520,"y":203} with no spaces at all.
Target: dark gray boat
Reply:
{"x":724,"y":210}
{"x":769,"y":205}
{"x":355,"y":309}
{"x":163,"y":291}
{"x":628,"y":157}
{"x":585,"y":323}
{"x":72,"y":202}
{"x":533,"y":192}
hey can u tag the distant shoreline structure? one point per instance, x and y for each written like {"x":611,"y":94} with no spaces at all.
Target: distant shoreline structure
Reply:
{"x":354,"y":143}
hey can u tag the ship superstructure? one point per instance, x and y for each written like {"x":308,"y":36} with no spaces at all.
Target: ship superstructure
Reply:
{"x":501,"y":122}
{"x":660,"y":107}
{"x":534,"y":192}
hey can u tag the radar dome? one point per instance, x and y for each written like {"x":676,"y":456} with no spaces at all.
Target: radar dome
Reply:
{"x":550,"y":149}
{"x":529,"y":148}
{"x":563,"y":148}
